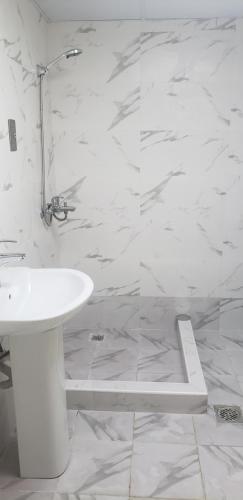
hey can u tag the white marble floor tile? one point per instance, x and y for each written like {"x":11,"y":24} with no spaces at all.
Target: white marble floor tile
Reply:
{"x":78,"y":360}
{"x":233,"y":340}
{"x":236,"y":358}
{"x":102,"y":426}
{"x":209,"y":341}
{"x":223,"y":390}
{"x":20,"y":495}
{"x":209,"y":431}
{"x":115,"y":338}
{"x":158,"y":353}
{"x":204,"y":313}
{"x":71,"y":496}
{"x":153,"y":341}
{"x":150,"y":498}
{"x":119,"y":374}
{"x":240,"y":382}
{"x":166,"y":471}
{"x":121,"y":312}
{"x":76,"y":338}
{"x":161,"y":361}
{"x":99,"y":467}
{"x":222,"y":471}
{"x":216,"y":363}
{"x":76,"y":371}
{"x":164,"y":428}
{"x":169,"y":376}
{"x":231,"y":314}
{"x":113,"y":361}
{"x":212,"y":354}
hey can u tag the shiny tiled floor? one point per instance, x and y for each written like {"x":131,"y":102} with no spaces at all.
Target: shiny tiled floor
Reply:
{"x":121,"y":456}
{"x":139,"y":354}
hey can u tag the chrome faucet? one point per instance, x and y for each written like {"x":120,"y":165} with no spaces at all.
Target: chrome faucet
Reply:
{"x":6,"y":256}
{"x":57,"y":206}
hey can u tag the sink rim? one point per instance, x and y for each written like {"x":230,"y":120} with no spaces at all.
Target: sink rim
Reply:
{"x":15,"y":325}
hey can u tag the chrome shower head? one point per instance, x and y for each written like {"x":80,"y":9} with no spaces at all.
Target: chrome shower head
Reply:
{"x":42,"y":70}
{"x":72,"y":53}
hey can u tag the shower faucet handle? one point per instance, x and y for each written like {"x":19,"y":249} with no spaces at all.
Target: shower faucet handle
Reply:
{"x":57,"y":201}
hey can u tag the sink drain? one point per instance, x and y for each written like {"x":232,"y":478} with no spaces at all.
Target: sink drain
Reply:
{"x":97,"y":337}
{"x":231,"y":414}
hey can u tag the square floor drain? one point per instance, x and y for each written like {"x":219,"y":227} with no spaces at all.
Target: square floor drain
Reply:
{"x":230,"y":414}
{"x":96,"y":337}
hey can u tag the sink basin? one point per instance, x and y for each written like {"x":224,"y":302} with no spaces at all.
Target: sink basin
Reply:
{"x":34,"y":303}
{"x":36,"y":300}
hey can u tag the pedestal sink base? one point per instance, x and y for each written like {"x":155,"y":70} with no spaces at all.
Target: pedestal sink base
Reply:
{"x":40,"y":403}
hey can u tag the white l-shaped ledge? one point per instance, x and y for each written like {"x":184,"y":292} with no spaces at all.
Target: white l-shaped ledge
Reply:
{"x":165,"y":397}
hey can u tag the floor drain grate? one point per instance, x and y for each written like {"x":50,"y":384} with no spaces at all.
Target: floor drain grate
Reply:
{"x":228,"y":413}
{"x":97,"y":337}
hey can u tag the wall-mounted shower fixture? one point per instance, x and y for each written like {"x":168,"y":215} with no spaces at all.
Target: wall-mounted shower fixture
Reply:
{"x":57,"y":206}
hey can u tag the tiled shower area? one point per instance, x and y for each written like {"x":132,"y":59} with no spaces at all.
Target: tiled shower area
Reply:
{"x":120,"y":455}
{"x":124,"y":338}
{"x":140,"y":342}
{"x":144,"y":139}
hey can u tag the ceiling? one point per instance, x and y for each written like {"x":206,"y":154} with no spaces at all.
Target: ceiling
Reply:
{"x":77,"y":10}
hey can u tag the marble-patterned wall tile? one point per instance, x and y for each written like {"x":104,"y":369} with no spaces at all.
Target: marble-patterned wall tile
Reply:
{"x":191,"y":157}
{"x":161,"y":312}
{"x":150,"y":115}
{"x":131,"y":313}
{"x":23,"y":44}
{"x":180,"y":215}
{"x":95,"y":103}
{"x":110,"y":312}
{"x":184,"y":62}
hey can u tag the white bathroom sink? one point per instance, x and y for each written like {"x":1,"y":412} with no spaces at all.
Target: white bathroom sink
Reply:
{"x":38,"y":300}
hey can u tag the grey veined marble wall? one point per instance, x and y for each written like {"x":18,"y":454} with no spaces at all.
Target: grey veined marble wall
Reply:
{"x":23,"y":44}
{"x":148,"y":144}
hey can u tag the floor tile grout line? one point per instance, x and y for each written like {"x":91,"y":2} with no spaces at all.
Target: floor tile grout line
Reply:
{"x":132,"y":454}
{"x":200,"y":465}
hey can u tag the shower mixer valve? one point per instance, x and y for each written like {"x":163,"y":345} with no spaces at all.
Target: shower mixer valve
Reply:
{"x":57,"y":206}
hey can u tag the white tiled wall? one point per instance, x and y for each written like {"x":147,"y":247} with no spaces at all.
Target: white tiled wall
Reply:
{"x":23,"y":44}
{"x":147,"y":139}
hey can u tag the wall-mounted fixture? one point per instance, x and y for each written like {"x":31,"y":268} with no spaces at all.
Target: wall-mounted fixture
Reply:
{"x":12,"y":135}
{"x":9,"y":256}
{"x":57,"y":207}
